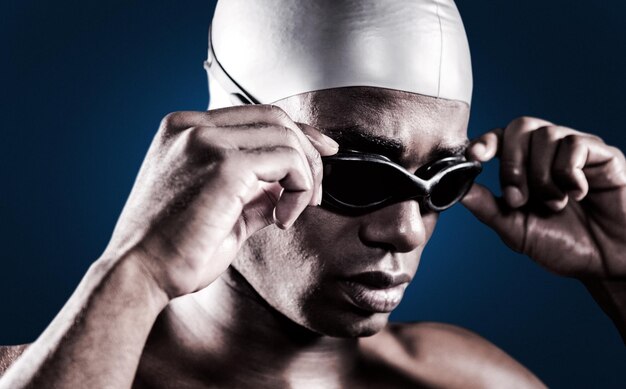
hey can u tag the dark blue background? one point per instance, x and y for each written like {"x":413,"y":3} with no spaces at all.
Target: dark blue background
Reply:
{"x":85,"y":84}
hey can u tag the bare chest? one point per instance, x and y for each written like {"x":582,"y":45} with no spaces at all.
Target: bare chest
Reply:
{"x":367,"y":375}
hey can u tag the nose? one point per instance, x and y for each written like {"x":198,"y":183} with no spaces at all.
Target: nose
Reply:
{"x":398,"y":227}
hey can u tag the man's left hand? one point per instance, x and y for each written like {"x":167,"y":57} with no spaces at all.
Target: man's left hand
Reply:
{"x":564,"y":197}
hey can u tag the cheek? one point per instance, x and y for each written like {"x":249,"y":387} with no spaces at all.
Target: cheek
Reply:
{"x":286,"y":266}
{"x":329,"y":237}
{"x":307,"y":245}
{"x":294,"y":271}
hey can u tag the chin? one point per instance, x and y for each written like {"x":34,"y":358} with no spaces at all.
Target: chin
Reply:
{"x":351,"y":325}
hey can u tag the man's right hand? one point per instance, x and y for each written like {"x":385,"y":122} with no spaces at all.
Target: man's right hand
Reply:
{"x":209,"y":181}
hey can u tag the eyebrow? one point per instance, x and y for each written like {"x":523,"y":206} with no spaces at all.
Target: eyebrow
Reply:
{"x":355,"y":138}
{"x":442,"y":151}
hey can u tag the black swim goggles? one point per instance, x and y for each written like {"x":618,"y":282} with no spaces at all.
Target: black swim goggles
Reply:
{"x":356,"y":183}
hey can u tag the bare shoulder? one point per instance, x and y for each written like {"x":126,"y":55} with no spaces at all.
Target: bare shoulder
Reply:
{"x":445,"y":355}
{"x":8,"y":354}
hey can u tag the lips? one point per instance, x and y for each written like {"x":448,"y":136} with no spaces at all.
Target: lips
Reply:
{"x":380,"y":279}
{"x":375,"y":291}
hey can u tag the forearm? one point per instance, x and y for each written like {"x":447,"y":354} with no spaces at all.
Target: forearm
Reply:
{"x":611,"y":296}
{"x":97,"y":338}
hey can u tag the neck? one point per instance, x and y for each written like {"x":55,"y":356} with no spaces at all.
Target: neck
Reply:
{"x":227,"y":333}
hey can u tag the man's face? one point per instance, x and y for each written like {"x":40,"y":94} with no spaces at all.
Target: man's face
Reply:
{"x":303,"y":271}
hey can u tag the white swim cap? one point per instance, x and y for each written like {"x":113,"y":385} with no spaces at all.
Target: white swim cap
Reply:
{"x":273,"y":49}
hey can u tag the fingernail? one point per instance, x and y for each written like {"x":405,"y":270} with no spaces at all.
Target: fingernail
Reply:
{"x":479,"y":149}
{"x":557,"y":204}
{"x":514,"y":196}
{"x":278,"y":223}
{"x":281,"y":225}
{"x":319,"y":195}
{"x":330,"y":142}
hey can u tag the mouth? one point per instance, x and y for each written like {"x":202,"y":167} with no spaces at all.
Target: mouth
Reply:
{"x":375,"y":291}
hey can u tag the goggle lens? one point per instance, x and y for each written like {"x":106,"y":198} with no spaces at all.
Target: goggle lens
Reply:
{"x":451,"y":188}
{"x":358,"y":185}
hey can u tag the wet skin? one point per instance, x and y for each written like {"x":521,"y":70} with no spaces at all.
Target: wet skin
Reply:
{"x":281,"y":308}
{"x":279,"y":317}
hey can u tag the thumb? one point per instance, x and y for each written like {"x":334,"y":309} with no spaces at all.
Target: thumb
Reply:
{"x":508,"y":223}
{"x":482,"y":203}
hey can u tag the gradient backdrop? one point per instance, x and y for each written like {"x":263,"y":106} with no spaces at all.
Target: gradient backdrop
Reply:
{"x":85,"y":84}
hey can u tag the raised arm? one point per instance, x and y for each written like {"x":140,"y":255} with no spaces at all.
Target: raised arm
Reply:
{"x":99,"y":333}
{"x":209,"y":181}
{"x":564,"y":204}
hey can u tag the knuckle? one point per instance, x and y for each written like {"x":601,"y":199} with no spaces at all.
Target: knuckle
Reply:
{"x":594,"y":137}
{"x":194,"y":137}
{"x":523,"y":122}
{"x":288,"y":136}
{"x":277,"y":113}
{"x":573,"y":141}
{"x":197,"y":146}
{"x":617,"y":152}
{"x":542,"y":134}
{"x":548,"y":132}
{"x":295,"y":158}
{"x":617,"y":162}
{"x":563,"y":171}
{"x":292,"y":153}
{"x":170,"y":120}
{"x":169,"y":126}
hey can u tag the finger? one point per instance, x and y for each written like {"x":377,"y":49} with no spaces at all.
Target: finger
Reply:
{"x":243,"y":115}
{"x":280,"y":117}
{"x":513,"y":158}
{"x":315,"y":145}
{"x":324,"y":144}
{"x":543,"y":147}
{"x":252,"y":114}
{"x":485,"y":147}
{"x":603,"y":167}
{"x":284,"y":165}
{"x":244,"y":137}
{"x":570,"y":159}
{"x":257,"y":114}
{"x":250,"y":137}
{"x":493,"y":212}
{"x":223,"y":117}
{"x":274,"y":115}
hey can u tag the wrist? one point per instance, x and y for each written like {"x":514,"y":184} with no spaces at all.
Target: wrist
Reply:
{"x":611,"y":297}
{"x":130,"y":273}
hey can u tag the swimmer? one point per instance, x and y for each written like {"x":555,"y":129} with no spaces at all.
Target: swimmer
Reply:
{"x":266,"y":240}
